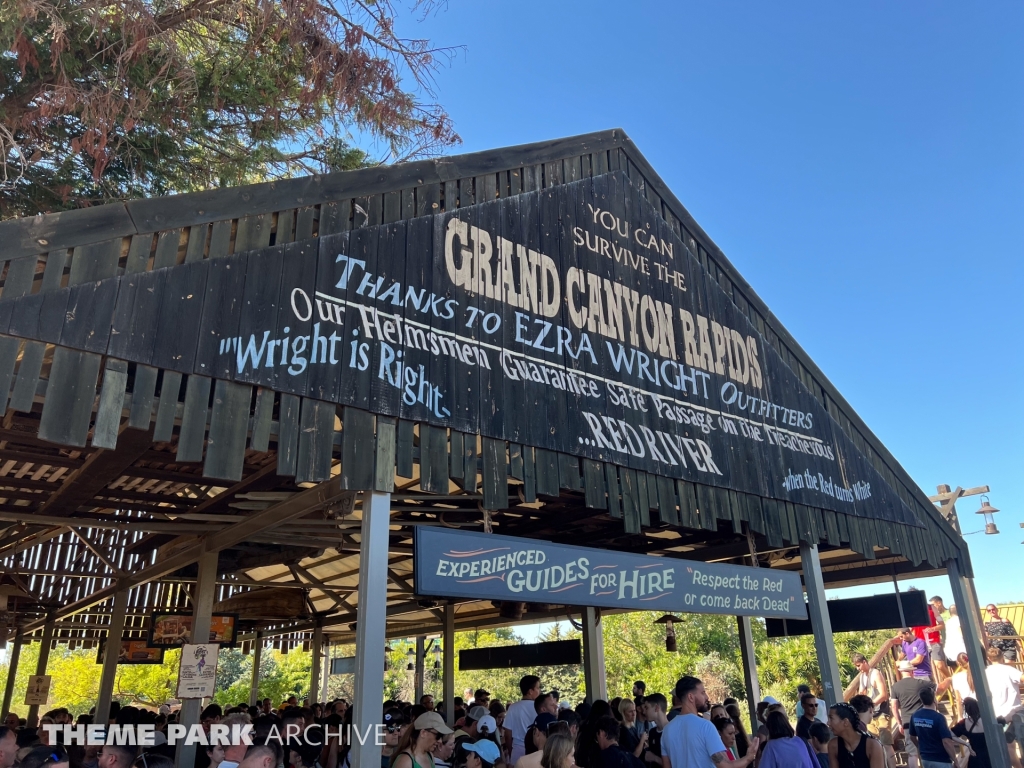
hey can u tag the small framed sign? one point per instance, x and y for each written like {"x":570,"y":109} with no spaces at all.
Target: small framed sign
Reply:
{"x":170,"y":629}
{"x":197,"y":673}
{"x":38,"y":690}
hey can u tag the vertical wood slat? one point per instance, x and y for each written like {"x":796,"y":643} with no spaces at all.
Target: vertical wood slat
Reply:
{"x":667,"y":501}
{"x":358,"y":450}
{"x":138,"y":254}
{"x":71,"y":392}
{"x":166,"y":254}
{"x":688,"y":517}
{"x":643,"y":498}
{"x":253,"y":232}
{"x":220,"y":239}
{"x":167,"y":408}
{"x":316,"y":441}
{"x":515,"y":460}
{"x":404,"y":449}
{"x":192,"y":434}
{"x":67,"y":409}
{"x":630,"y":500}
{"x":529,"y":475}
{"x":229,"y":423}
{"x":143,"y":396}
{"x":470,"y":466}
{"x":611,"y":478}
{"x":196,"y":243}
{"x":262,"y":418}
{"x":434,"y":459}
{"x":495,"y":474}
{"x":384,"y":467}
{"x":108,"y":414}
{"x":288,"y":434}
{"x":28,"y":376}
{"x":456,"y":453}
{"x":20,"y":273}
{"x":593,"y":485}
{"x":547,"y":472}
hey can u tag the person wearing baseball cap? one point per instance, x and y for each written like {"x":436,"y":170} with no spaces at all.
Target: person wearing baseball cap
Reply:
{"x":394,"y":723}
{"x":418,"y":742}
{"x":469,"y":724}
{"x":481,"y":754}
{"x":483,"y":728}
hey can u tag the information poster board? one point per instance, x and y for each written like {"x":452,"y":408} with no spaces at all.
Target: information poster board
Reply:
{"x":197,"y":674}
{"x":38,"y":690}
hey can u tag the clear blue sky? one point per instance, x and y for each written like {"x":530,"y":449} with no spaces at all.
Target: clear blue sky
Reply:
{"x":862,"y":166}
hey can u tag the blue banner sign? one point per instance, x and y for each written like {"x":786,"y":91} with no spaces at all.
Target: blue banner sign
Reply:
{"x":483,"y":566}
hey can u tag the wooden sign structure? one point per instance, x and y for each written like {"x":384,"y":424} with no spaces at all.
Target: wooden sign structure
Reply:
{"x":576,"y":307}
{"x":542,"y":333}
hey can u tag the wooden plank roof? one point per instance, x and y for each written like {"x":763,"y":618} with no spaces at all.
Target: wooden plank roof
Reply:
{"x":112,"y":500}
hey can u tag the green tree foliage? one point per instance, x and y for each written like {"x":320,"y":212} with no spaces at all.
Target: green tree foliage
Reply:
{"x":782,"y":664}
{"x":110,"y":99}
{"x":634,"y":650}
{"x":147,"y":685}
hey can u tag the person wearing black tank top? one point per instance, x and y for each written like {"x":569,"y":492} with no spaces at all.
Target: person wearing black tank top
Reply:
{"x":851,"y":748}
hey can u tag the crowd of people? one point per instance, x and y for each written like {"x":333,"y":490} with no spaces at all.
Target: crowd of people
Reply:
{"x":933,"y":665}
{"x":683,"y":729}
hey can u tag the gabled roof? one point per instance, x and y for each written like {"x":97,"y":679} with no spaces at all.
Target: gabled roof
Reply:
{"x":93,"y":245}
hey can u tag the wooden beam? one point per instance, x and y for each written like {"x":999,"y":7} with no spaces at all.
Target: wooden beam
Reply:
{"x":103,"y":556}
{"x":301,"y":574}
{"x":298,"y":505}
{"x":100,"y":469}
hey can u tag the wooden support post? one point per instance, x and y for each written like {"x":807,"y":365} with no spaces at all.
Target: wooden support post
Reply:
{"x":257,"y":657}
{"x":202,"y":610}
{"x":824,"y":646}
{"x":44,"y":655}
{"x":448,"y":691}
{"x":970,"y":622}
{"x":418,"y":684}
{"x":593,"y":656}
{"x":899,"y":599}
{"x":111,"y":653}
{"x":750,"y":681}
{"x":316,"y":648}
{"x":326,"y":673}
{"x":746,"y":637}
{"x":371,"y":626}
{"x":12,"y":673}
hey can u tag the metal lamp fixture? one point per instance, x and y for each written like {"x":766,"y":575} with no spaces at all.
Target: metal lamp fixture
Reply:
{"x":670,"y":631}
{"x":411,"y":666}
{"x":437,"y":655}
{"x":988,"y":511}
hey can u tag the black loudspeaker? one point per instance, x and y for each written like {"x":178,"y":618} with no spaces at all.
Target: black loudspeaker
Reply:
{"x":534,"y":655}
{"x":857,"y":614}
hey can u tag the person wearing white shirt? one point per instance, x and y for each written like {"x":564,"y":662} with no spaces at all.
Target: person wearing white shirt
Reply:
{"x":690,"y":741}
{"x":954,"y":644}
{"x":520,"y":717}
{"x":1003,"y":684}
